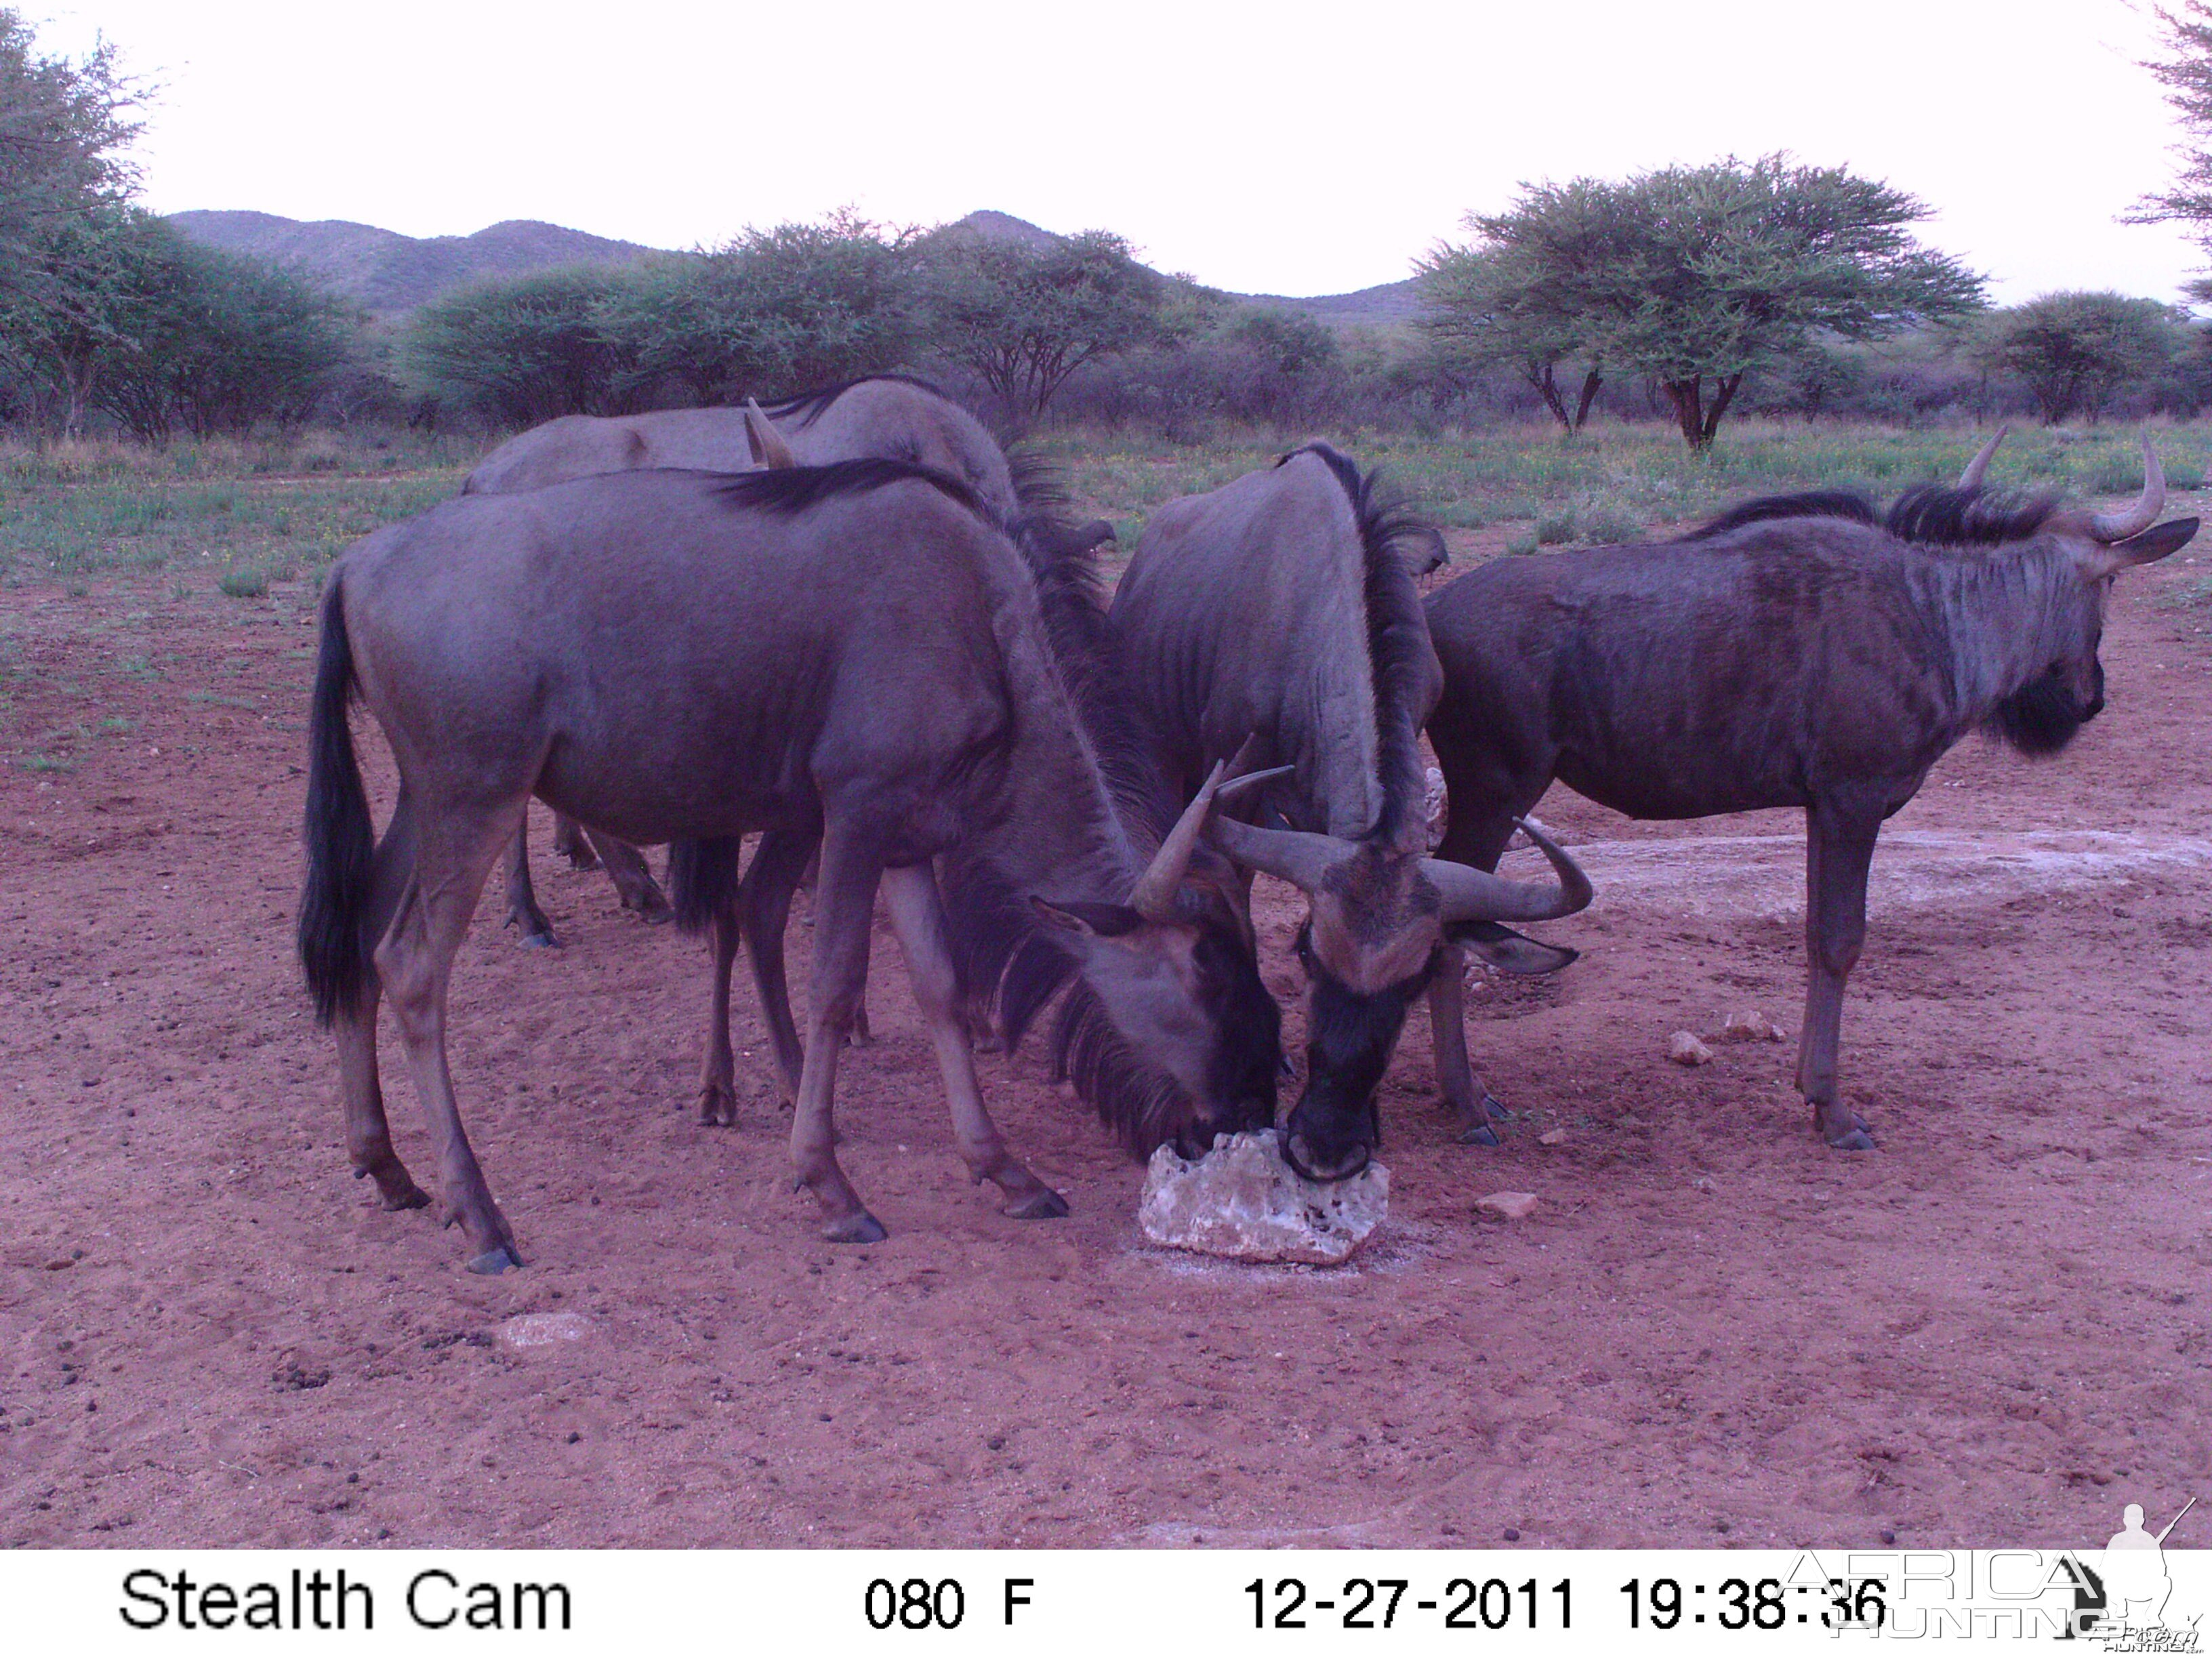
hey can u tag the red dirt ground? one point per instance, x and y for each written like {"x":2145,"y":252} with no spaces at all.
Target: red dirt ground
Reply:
{"x":1712,"y":1330}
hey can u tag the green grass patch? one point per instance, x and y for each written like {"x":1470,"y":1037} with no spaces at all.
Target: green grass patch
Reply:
{"x":244,"y":584}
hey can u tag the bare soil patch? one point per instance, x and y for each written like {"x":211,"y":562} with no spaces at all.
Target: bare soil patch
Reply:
{"x":1712,"y":1330}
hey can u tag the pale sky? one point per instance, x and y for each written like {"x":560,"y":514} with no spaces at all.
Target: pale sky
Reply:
{"x":1275,"y":147}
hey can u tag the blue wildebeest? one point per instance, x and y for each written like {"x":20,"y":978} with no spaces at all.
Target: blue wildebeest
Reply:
{"x":891,"y":417}
{"x":684,"y":680}
{"x":1794,"y":652}
{"x":1281,"y":607}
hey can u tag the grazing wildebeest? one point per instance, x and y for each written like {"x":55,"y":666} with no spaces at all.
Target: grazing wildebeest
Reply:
{"x":1794,"y":652}
{"x":1282,"y":606}
{"x":893,"y":416}
{"x":684,"y":680}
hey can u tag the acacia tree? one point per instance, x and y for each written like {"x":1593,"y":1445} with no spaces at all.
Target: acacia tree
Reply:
{"x":1695,"y":277}
{"x":2186,"y":74}
{"x":527,"y":350}
{"x":780,"y":310}
{"x":2074,"y":351}
{"x":1024,"y":318}
{"x":1521,"y":296}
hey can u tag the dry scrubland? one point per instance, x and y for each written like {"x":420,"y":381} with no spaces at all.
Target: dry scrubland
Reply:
{"x":1712,"y":1330}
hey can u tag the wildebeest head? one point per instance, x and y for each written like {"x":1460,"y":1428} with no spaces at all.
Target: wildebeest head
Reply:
{"x":2043,"y":714}
{"x":1172,"y":1035}
{"x":1379,"y":911}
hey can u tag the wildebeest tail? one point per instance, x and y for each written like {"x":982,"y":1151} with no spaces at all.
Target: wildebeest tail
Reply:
{"x":702,"y":880}
{"x":333,"y":937}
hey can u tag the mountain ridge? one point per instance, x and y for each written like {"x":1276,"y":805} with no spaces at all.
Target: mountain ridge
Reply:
{"x":384,"y":271}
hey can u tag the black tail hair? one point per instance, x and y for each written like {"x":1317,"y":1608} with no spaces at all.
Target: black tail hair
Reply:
{"x":333,"y":928}
{"x":702,"y":879}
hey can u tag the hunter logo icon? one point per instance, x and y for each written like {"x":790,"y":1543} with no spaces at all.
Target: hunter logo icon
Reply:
{"x":2122,"y":1602}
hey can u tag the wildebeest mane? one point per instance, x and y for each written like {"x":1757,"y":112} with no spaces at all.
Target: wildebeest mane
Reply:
{"x":789,"y":491}
{"x":1803,"y":504}
{"x":1934,"y":516}
{"x":1397,"y":635}
{"x":805,"y":408}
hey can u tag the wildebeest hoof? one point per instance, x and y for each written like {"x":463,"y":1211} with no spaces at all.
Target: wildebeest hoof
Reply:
{"x":580,"y":856}
{"x":1478,"y":1135}
{"x":1851,"y":1134}
{"x":1042,"y":1205}
{"x":717,"y":1106}
{"x":1494,"y":1109}
{"x":410,"y":1197}
{"x":496,"y":1260}
{"x":860,"y":1227}
{"x":547,"y":940}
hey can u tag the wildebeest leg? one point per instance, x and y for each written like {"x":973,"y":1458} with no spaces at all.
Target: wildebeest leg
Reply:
{"x":571,"y":843}
{"x":861,"y":1037}
{"x":764,"y":902}
{"x":844,"y":912}
{"x":627,"y":869}
{"x":455,"y":851}
{"x":522,"y":899}
{"x":917,"y":917}
{"x":718,"y":1081}
{"x":1471,"y":1104}
{"x":368,"y":1132}
{"x":1838,"y":846}
{"x":1475,"y":838}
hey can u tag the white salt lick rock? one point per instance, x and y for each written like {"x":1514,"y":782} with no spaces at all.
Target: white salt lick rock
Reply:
{"x":1243,"y":1201}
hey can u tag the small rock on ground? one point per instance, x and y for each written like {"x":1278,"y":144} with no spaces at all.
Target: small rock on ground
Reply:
{"x":543,"y":1330}
{"x":1749,"y":1025}
{"x":1243,"y":1201}
{"x":1553,"y":1138}
{"x":1684,"y":1049}
{"x":1511,"y":1206}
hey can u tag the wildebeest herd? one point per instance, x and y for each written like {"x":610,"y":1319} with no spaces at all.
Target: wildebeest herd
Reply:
{"x":847,"y":625}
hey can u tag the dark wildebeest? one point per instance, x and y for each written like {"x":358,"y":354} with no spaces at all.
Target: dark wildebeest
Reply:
{"x":684,"y":680}
{"x":1282,"y":606}
{"x":1793,"y":653}
{"x":891,"y":417}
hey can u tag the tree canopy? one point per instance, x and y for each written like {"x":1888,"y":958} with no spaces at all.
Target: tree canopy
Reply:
{"x":2074,"y":351}
{"x":797,"y":306}
{"x":2186,"y":74}
{"x":1695,"y":277}
{"x":1024,"y":317}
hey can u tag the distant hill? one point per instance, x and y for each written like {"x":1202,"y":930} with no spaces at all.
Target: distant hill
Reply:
{"x":386,"y":271}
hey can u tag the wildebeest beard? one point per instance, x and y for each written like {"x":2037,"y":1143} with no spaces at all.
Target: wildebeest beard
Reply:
{"x":2040,"y":718}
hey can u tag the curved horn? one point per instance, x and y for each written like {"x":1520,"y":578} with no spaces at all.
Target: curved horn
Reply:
{"x":1473,"y":894}
{"x":766,"y":443}
{"x":1153,"y":896}
{"x":1299,"y":856}
{"x":2118,"y":526}
{"x":1971,"y":478}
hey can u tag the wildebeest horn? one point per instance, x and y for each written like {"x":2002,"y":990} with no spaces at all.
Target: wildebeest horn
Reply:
{"x":1299,"y":856}
{"x":2118,"y":526}
{"x":1473,"y":894}
{"x":1971,"y":478}
{"x":766,"y":443}
{"x":1153,"y":896}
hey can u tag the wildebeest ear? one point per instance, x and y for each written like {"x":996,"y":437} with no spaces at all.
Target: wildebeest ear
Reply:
{"x":1092,"y":921}
{"x":2151,"y":546}
{"x":1507,"y":951}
